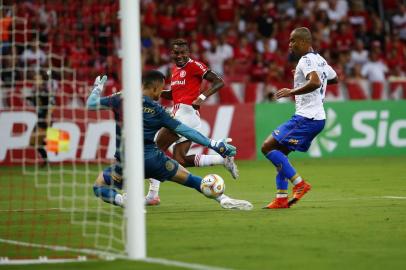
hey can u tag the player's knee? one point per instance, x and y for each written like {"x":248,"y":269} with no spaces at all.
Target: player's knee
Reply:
{"x":161,"y":144}
{"x":182,"y":161}
{"x":180,"y":158}
{"x":100,"y":180}
{"x":265,"y":148}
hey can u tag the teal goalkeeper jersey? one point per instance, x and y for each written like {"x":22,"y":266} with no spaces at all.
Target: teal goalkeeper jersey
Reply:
{"x":155,"y":117}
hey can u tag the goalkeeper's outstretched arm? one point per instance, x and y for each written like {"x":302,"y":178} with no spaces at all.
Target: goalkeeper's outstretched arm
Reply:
{"x":221,"y":147}
{"x":93,"y":101}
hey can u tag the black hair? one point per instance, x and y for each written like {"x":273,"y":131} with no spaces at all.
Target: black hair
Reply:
{"x":179,"y":42}
{"x":151,"y":77}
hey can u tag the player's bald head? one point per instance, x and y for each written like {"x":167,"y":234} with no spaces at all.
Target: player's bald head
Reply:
{"x":303,"y":33}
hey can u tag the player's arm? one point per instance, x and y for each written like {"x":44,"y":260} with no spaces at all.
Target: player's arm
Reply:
{"x":93,"y":101}
{"x":313,"y":82}
{"x":216,"y":83}
{"x":332,"y":77}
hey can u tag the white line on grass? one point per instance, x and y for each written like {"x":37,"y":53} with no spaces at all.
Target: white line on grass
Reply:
{"x":193,"y":266}
{"x":394,"y":197}
{"x":95,"y":208}
{"x":47,"y":209}
{"x":358,"y":198}
{"x":99,"y":253}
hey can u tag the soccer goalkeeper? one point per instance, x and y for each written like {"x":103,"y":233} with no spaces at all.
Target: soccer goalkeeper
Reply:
{"x":156,"y":164}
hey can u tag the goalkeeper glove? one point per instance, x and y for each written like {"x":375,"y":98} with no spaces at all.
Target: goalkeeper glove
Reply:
{"x":223,"y":148}
{"x":99,"y":85}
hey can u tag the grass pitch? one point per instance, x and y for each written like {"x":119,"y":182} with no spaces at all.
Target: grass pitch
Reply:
{"x":353,"y":218}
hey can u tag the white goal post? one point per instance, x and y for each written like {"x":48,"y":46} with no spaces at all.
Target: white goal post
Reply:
{"x":133,"y":131}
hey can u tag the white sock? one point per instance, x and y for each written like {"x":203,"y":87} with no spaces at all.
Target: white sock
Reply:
{"x":153,"y":188}
{"x":297,"y":180}
{"x":221,"y":197}
{"x":119,"y":200}
{"x":208,"y":160}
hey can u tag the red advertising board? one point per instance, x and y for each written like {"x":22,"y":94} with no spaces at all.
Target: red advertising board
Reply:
{"x":92,"y":134}
{"x":234,"y":121}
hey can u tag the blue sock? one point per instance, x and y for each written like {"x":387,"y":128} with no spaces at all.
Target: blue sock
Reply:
{"x":281,"y":182}
{"x":106,"y":193}
{"x":282,"y":163}
{"x":193,"y":182}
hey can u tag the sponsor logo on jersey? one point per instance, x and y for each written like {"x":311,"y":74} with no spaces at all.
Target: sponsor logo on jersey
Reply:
{"x":182,"y":82}
{"x":293,"y":141}
{"x":149,"y":110}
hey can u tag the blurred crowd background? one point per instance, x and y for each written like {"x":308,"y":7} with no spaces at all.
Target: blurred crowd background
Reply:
{"x":245,"y":41}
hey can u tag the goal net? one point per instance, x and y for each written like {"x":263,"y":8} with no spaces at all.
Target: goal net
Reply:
{"x":51,"y":147}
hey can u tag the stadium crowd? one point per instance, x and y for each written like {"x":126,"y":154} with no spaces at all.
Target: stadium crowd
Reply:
{"x":245,"y":41}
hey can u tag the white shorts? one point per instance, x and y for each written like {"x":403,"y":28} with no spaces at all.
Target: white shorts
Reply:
{"x":188,"y":116}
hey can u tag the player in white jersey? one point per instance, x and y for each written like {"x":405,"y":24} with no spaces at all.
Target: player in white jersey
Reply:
{"x":312,"y":74}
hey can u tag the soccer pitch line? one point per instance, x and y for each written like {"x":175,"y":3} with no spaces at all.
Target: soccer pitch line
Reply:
{"x":48,"y":209}
{"x":361,"y":198}
{"x":102,"y":254}
{"x":394,"y":197}
{"x":388,"y":197}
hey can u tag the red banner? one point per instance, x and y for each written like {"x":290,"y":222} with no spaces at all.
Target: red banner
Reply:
{"x":92,"y":134}
{"x":234,"y":121}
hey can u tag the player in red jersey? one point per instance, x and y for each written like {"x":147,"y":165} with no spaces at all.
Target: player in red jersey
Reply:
{"x":186,"y":79}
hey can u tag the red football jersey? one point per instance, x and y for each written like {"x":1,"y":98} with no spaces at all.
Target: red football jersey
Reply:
{"x":186,"y":81}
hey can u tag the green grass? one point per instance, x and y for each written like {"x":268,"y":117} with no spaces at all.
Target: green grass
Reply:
{"x":343,"y":223}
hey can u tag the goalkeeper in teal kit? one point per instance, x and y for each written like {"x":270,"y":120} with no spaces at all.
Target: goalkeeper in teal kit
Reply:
{"x":157,"y":164}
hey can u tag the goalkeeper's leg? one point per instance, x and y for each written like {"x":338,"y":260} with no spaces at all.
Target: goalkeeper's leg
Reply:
{"x":185,"y":178}
{"x":152,"y":197}
{"x":105,"y":190}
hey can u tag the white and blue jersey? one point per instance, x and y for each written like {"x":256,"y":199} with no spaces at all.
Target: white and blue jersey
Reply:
{"x":310,"y":105}
{"x":309,"y":119}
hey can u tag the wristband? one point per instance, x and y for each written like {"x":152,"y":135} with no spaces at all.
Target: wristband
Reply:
{"x":212,"y":143}
{"x":202,"y":97}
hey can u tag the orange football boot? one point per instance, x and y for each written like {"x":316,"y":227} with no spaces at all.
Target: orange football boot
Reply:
{"x":299,"y":191}
{"x":278,"y":203}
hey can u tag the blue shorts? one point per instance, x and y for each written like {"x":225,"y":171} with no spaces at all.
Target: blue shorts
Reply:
{"x":298,"y":132}
{"x":159,"y":166}
{"x":113,"y":175}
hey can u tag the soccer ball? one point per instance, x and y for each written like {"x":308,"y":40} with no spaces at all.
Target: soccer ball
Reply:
{"x":212,"y":185}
